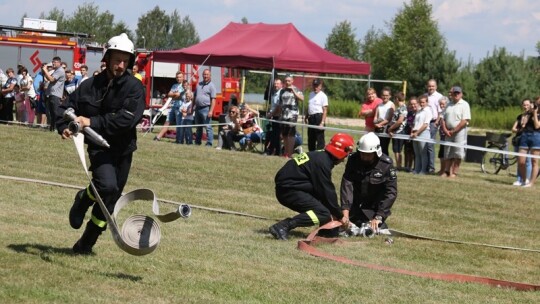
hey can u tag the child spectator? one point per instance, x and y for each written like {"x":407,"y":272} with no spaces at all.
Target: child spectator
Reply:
{"x":407,"y":145}
{"x":442,"y":104}
{"x":20,"y":104}
{"x":186,"y":108}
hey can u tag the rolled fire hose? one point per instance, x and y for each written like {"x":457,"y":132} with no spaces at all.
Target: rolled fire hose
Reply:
{"x":140,"y":234}
{"x":308,"y":246}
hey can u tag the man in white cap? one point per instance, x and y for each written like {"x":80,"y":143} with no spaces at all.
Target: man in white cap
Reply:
{"x":456,"y":119}
{"x":112,"y":104}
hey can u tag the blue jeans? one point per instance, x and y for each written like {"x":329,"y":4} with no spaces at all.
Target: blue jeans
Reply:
{"x":201,"y":117}
{"x":431,"y":147}
{"x":253,"y":137}
{"x":186,"y":134}
{"x":421,"y":158}
{"x":528,"y":167}
{"x":179,"y":121}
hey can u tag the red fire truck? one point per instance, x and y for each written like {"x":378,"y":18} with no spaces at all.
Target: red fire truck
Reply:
{"x":31,"y":47}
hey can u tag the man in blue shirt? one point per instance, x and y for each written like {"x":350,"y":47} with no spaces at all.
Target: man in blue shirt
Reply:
{"x":205,"y":100}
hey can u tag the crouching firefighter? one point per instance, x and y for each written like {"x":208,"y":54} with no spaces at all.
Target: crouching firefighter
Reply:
{"x":304,"y":185}
{"x":111,"y":103}
{"x":369,"y":185}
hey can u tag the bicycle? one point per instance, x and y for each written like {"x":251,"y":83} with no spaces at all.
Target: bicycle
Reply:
{"x":493,"y":162}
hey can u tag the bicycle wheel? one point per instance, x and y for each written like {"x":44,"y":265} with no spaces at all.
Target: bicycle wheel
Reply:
{"x":492,"y":162}
{"x":511,"y":167}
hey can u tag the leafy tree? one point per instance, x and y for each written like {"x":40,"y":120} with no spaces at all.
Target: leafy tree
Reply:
{"x":58,"y":15}
{"x":503,"y":80}
{"x":538,"y":48}
{"x":87,"y":19}
{"x":413,"y":50}
{"x":342,"y":42}
{"x":161,"y":31}
{"x":154,"y":26}
{"x":183,"y":32}
{"x":464,"y":78}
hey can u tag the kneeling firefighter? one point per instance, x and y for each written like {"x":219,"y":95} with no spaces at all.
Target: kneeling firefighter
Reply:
{"x":304,"y":185}
{"x":112,"y":104}
{"x":369,"y":185}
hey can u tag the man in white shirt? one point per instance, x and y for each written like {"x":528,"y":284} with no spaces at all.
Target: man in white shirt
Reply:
{"x":456,"y":118}
{"x":433,"y":103}
{"x":317,"y":111}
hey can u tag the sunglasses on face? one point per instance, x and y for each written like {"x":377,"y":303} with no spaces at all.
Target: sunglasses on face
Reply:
{"x":232,"y":112}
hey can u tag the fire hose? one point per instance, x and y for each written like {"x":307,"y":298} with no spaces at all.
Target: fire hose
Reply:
{"x":308,"y":246}
{"x":140,"y":234}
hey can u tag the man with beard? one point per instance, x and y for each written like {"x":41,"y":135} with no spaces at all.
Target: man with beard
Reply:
{"x":112,"y":104}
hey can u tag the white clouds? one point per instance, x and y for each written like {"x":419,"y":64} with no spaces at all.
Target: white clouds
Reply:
{"x":470,"y":26}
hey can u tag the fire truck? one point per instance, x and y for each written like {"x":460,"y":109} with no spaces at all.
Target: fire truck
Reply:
{"x":31,"y":47}
{"x":36,"y":43}
{"x":158,"y":77}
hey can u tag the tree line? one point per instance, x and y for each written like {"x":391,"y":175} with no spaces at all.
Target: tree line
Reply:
{"x":412,"y":49}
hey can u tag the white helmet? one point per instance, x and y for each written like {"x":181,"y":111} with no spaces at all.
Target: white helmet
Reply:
{"x":123,"y":44}
{"x":369,"y":143}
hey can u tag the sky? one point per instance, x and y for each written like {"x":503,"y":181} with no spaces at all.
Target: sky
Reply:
{"x":472,"y":28}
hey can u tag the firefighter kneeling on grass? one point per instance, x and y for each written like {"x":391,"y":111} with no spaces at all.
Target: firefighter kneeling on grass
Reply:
{"x":304,"y":184}
{"x":369,"y":186}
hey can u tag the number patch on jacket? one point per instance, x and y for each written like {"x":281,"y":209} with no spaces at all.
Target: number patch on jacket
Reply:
{"x":301,"y":158}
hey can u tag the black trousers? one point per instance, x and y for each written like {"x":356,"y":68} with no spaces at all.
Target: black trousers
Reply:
{"x":109,"y":175}
{"x":315,"y":136}
{"x":385,"y":143}
{"x":53,"y":102}
{"x":6,"y":113}
{"x":306,"y":204}
{"x":274,"y":138}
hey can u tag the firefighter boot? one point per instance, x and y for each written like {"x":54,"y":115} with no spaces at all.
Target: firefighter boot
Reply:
{"x":80,"y":205}
{"x":88,"y":239}
{"x":281,"y":229}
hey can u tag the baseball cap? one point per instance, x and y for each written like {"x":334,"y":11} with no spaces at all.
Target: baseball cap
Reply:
{"x":456,"y":89}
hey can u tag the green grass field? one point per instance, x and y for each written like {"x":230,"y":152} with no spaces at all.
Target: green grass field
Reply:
{"x":222,"y":258}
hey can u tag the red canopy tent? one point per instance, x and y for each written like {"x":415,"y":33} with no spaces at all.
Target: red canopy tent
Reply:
{"x":264,"y":46}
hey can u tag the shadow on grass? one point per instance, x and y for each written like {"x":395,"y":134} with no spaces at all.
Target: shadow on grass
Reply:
{"x":293,"y":234}
{"x":47,"y":254}
{"x":497,"y":181}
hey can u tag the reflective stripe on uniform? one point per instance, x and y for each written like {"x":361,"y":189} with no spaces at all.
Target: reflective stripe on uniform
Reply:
{"x":90,"y":195}
{"x":98,"y":222}
{"x":313,"y":217}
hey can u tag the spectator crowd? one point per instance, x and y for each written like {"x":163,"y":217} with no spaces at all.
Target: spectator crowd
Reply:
{"x":410,"y":125}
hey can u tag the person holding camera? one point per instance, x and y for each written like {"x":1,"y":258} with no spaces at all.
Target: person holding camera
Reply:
{"x":529,"y":143}
{"x":55,"y":90}
{"x":368,"y":186}
{"x":289,"y":98}
{"x":517,"y":128}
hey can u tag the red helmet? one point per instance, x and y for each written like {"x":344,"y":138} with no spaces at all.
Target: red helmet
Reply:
{"x":340,"y":145}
